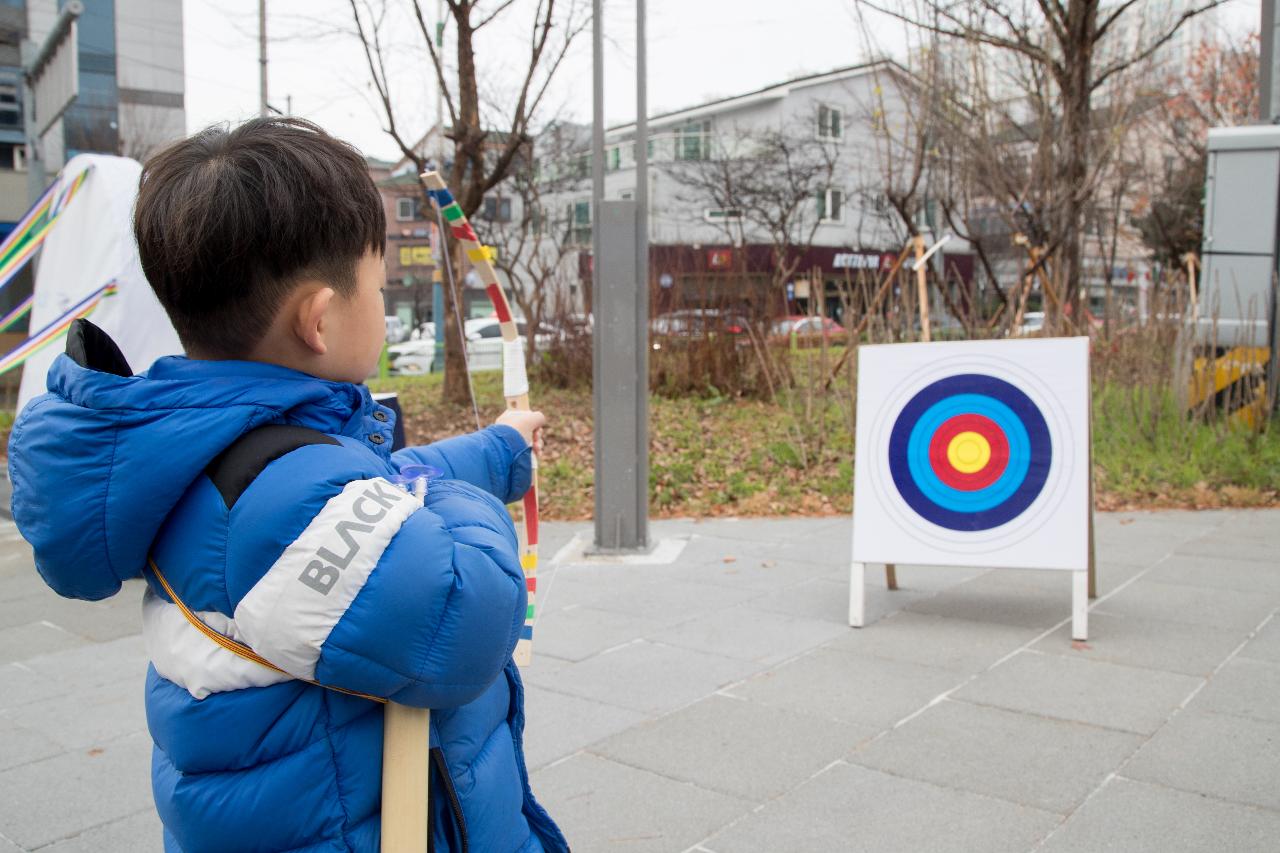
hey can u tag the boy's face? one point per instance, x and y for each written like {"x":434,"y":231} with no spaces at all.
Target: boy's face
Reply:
{"x":358,"y":323}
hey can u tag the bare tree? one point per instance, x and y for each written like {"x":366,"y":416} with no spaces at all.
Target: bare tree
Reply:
{"x":1073,"y":48}
{"x":486,"y":136}
{"x":534,"y":237}
{"x":768,"y":186}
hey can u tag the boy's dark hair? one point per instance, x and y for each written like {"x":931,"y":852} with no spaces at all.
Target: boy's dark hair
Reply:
{"x":230,"y":220}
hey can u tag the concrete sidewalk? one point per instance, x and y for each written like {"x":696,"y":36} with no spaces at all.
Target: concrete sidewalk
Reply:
{"x":719,"y":703}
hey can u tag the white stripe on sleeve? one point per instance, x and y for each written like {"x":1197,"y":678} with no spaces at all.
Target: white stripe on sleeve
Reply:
{"x":288,"y":614}
{"x":185,"y":656}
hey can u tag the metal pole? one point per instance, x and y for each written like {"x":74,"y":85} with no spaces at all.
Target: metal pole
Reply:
{"x":262,"y":58}
{"x":440,"y":140}
{"x":642,"y":281}
{"x":597,"y":291}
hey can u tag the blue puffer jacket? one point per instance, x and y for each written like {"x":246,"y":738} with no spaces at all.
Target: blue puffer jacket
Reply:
{"x":319,"y":565}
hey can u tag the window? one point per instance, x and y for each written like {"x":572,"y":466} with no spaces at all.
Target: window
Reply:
{"x":406,"y":209}
{"x":613,"y":158}
{"x":580,"y":222}
{"x":829,"y":123}
{"x":693,"y":141}
{"x":831,"y":206}
{"x":496,"y":209}
{"x":627,"y":195}
{"x":717,"y":215}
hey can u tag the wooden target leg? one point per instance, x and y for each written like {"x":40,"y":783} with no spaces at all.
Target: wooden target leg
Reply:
{"x":857,"y":594}
{"x":406,"y":770}
{"x":1080,"y":605}
{"x":891,"y":575}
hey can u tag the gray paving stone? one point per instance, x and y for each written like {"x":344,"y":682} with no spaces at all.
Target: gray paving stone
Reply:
{"x":635,"y":591}
{"x":936,"y":641}
{"x":100,"y":621}
{"x":756,"y":573}
{"x":35,"y":638}
{"x":750,"y":634}
{"x":63,"y":796}
{"x":1136,"y":817}
{"x":605,"y":806}
{"x":1244,"y":687}
{"x":23,"y":746}
{"x":68,"y":672}
{"x":836,"y":685}
{"x":1232,"y":758}
{"x":740,"y":748}
{"x":98,"y":715}
{"x":577,"y":632}
{"x":704,"y":549}
{"x":848,"y":809}
{"x":1218,"y":572}
{"x":1266,"y":645}
{"x":1086,"y":691}
{"x":828,"y":599}
{"x":7,"y":846}
{"x":1038,"y":762}
{"x":138,"y":833}
{"x":558,"y":725}
{"x":1216,"y":544}
{"x":1198,"y":605}
{"x":993,"y":598}
{"x":1149,"y":643}
{"x":647,"y":676}
{"x":1258,"y":525}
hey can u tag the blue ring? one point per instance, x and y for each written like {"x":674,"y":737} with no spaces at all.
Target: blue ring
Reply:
{"x":1030,"y":452}
{"x":950,"y":497}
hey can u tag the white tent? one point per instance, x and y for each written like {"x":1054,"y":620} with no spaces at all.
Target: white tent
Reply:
{"x":90,"y":245}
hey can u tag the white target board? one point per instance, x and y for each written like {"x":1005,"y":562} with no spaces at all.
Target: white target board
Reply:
{"x":973,"y":453}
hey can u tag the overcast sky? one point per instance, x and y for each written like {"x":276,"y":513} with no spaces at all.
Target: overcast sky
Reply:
{"x":698,"y":50}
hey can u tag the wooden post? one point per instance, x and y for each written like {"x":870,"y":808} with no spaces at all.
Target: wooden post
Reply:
{"x":922,"y":291}
{"x":1193,"y":284}
{"x":891,"y":575}
{"x":406,"y":767}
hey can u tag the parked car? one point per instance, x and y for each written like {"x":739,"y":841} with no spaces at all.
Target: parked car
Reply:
{"x":697,"y":323}
{"x":1032,"y":323}
{"x":806,"y":326}
{"x":412,"y":358}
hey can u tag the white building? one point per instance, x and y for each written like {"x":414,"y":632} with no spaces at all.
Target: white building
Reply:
{"x":842,"y":134}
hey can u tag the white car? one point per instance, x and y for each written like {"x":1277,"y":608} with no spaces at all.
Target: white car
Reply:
{"x":1032,"y":322}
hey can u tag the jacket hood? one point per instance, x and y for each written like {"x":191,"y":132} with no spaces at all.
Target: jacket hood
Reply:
{"x":101,"y":460}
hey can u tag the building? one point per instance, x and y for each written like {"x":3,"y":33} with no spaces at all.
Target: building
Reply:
{"x":411,"y":242}
{"x":795,"y":171}
{"x":130,"y":95}
{"x":131,"y":90}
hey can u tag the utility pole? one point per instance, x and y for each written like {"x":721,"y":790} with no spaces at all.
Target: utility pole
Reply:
{"x":262,"y":58}
{"x":620,"y":333}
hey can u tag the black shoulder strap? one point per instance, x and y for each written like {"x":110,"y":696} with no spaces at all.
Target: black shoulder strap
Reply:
{"x":240,"y":464}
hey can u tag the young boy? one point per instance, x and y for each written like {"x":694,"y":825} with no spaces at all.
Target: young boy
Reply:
{"x":265,"y":245}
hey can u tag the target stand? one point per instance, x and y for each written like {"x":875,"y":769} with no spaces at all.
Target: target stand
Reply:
{"x":974,"y":454}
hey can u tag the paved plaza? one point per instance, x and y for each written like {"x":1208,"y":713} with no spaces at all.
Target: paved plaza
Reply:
{"x":719,"y":703}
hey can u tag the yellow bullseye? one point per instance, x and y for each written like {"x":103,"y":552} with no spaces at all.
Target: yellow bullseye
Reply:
{"x":969,"y":452}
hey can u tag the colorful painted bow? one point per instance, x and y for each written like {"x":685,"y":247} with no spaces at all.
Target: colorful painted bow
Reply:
{"x":515,"y":381}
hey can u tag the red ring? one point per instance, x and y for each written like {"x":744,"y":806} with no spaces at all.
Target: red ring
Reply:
{"x":989,"y":473}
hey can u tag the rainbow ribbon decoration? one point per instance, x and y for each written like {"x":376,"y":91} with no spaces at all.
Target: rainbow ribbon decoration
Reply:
{"x":17,"y":313}
{"x":515,"y":385}
{"x":28,"y":235}
{"x":57,"y":328}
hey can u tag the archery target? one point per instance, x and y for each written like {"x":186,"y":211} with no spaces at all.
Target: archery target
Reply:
{"x":973,"y":453}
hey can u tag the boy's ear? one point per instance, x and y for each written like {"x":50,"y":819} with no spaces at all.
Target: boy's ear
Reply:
{"x":311,"y":320}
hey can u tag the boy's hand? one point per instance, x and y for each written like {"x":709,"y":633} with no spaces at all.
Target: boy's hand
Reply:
{"x":528,"y":424}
